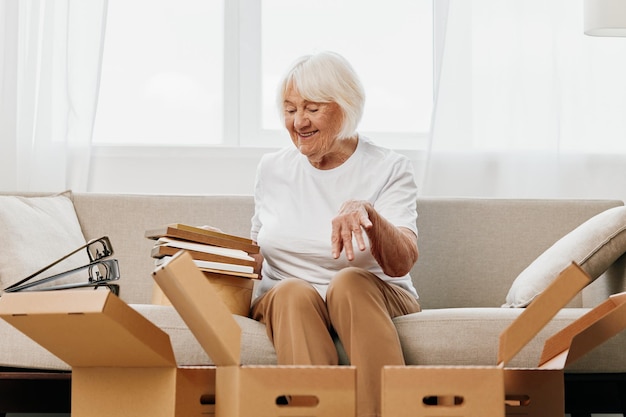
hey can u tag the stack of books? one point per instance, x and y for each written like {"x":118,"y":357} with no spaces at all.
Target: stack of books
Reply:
{"x":225,"y":259}
{"x":212,"y":251}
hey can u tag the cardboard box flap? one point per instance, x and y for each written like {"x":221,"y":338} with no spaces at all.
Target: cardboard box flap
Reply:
{"x":585,"y":334}
{"x":539,"y":313}
{"x":201,"y":308}
{"x":87,"y":328}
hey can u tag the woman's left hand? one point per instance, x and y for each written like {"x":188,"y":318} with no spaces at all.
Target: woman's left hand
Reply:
{"x":352,"y":219}
{"x":394,"y":248}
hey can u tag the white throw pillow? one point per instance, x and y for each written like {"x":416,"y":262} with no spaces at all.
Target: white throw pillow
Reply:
{"x":594,"y":245}
{"x":36,"y":231}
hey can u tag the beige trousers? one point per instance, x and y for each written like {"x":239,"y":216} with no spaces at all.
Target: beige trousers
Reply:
{"x":359,"y":307}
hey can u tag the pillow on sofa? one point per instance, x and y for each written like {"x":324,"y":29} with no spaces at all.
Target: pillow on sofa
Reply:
{"x":594,"y":245}
{"x":36,"y":231}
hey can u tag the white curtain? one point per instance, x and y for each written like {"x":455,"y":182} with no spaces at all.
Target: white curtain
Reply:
{"x":50,"y":56}
{"x":527,"y":106}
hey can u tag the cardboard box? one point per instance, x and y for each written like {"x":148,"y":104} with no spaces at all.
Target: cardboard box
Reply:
{"x":430,"y":391}
{"x":122,"y":364}
{"x":542,"y":389}
{"x":245,"y":390}
{"x":534,"y":392}
{"x":235,"y":292}
{"x":471,"y":391}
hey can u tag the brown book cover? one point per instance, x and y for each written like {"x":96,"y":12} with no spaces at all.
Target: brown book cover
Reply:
{"x":164,"y":250}
{"x":200,"y":235}
{"x":219,"y":272}
{"x":217,"y":268}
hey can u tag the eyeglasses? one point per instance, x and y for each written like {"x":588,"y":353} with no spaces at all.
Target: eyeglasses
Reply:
{"x":100,"y":271}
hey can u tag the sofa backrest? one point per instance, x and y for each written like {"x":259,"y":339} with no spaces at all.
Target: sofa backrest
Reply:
{"x":125,"y":219}
{"x":471,"y":250}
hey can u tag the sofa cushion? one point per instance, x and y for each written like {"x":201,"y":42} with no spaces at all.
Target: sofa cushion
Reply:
{"x":256,"y":348}
{"x":36,"y":231}
{"x":594,"y":245}
{"x":470,"y":337}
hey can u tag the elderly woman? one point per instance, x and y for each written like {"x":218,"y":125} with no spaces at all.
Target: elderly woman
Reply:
{"x":335,"y":220}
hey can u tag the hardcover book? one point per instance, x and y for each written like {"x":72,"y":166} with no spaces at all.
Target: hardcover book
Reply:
{"x":200,"y":235}
{"x":169,"y":247}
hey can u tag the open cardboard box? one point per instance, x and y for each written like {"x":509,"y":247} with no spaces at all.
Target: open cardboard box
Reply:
{"x":540,"y":391}
{"x":247,"y":390}
{"x":122,"y":364}
{"x":235,"y":292}
{"x":465,"y":391}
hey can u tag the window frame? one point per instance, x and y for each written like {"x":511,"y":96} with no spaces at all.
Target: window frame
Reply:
{"x":250,"y":131}
{"x":242,"y":89}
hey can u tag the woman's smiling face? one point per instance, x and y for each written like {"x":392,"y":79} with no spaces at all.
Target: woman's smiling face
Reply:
{"x":313,"y":126}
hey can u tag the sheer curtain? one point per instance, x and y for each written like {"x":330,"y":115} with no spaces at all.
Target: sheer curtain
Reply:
{"x":50,"y":56}
{"x":527,"y":106}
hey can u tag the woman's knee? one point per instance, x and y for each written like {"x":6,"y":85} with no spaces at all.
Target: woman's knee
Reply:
{"x":295,"y":292}
{"x":350,"y":281}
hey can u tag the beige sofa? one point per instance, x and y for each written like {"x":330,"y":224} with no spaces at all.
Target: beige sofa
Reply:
{"x":471,"y":251}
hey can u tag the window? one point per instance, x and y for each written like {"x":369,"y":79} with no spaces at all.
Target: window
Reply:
{"x":162,"y":73}
{"x":196,"y":72}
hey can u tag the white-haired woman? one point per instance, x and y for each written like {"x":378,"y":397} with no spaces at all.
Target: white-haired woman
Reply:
{"x":335,"y":217}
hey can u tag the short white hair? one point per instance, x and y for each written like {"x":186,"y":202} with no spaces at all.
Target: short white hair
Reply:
{"x":326,"y":77}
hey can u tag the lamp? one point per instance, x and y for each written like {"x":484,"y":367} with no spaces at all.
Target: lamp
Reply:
{"x":605,"y":17}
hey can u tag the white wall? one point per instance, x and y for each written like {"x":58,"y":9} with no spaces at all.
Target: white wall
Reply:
{"x":139,"y":170}
{"x":191,"y":170}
